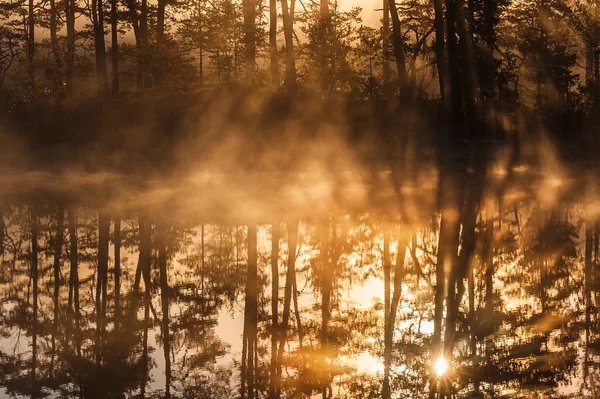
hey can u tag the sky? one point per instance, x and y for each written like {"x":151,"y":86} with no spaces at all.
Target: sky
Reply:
{"x":371,"y":9}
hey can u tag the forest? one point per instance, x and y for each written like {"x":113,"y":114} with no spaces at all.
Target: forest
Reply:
{"x":299,"y":199}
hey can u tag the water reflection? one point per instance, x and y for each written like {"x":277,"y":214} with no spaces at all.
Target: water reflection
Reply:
{"x":98,"y":304}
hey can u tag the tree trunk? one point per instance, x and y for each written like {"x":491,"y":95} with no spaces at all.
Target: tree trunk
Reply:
{"x":405,"y":91}
{"x":386,"y":47}
{"x":274,"y":308}
{"x":99,"y":47}
{"x":292,"y":230}
{"x":117,"y":242}
{"x":70,"y":22}
{"x":103,"y":232}
{"x":31,"y":44}
{"x":54,"y":45}
{"x":34,"y":281}
{"x":114,"y":50}
{"x":273,"y":42}
{"x":249,"y":8}
{"x":251,"y":311}
{"x":386,"y":392}
{"x":326,"y":36}
{"x":56,"y":267}
{"x":164,"y":299}
{"x":74,"y":277}
{"x":290,"y":59}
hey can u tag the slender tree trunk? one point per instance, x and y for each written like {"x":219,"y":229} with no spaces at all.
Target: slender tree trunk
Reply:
{"x":57,"y":254}
{"x":326,"y":36}
{"x":31,"y":43}
{"x":74,"y":277}
{"x":164,"y":297}
{"x":249,"y":8}
{"x":114,"y":16}
{"x":2,"y":229}
{"x":292,"y":229}
{"x":117,"y":241}
{"x":405,"y":92}
{"x":398,"y":277}
{"x":273,"y":42}
{"x":99,"y":47}
{"x":251,"y":312}
{"x":386,"y":392}
{"x":290,"y":59}
{"x":160,"y":40}
{"x":70,"y":22}
{"x":588,"y":272}
{"x":34,"y":280}
{"x":54,"y":44}
{"x":273,"y":392}
{"x":440,"y":50}
{"x":386,"y":47}
{"x":103,"y":232}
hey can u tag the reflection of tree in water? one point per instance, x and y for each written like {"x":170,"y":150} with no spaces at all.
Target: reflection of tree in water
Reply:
{"x":148,"y":325}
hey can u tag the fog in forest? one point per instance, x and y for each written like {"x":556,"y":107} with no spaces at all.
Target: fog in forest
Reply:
{"x":298,"y":199}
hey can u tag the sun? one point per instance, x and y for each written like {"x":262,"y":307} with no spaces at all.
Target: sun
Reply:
{"x":440,"y":366}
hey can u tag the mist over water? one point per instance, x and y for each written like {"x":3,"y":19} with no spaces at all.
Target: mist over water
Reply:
{"x":193,"y":250}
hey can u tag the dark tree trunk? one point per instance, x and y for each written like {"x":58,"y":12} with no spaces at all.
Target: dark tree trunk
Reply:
{"x":386,"y":392}
{"x":405,"y":91}
{"x":70,"y":22}
{"x":117,"y":242}
{"x":273,"y":392}
{"x":386,"y":47}
{"x":164,"y":298}
{"x":56,"y":267}
{"x":103,"y":233}
{"x":251,"y":311}
{"x":249,"y":7}
{"x":34,"y":282}
{"x":31,"y":43}
{"x":114,"y":49}
{"x":274,"y":59}
{"x":99,"y":47}
{"x":292,"y":230}
{"x":54,"y":45}
{"x":290,"y":59}
{"x":74,"y":277}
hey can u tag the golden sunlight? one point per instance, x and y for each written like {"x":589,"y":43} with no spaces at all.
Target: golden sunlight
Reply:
{"x":441,"y":366}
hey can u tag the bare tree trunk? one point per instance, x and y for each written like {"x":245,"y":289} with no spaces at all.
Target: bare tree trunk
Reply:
{"x":386,"y":392}
{"x":273,"y":393}
{"x":588,"y":272}
{"x":292,"y":229}
{"x":164,"y":298}
{"x":398,"y":277}
{"x":290,"y":59}
{"x":405,"y":92}
{"x":249,"y":7}
{"x":74,"y":277}
{"x":2,"y":229}
{"x":57,"y":254}
{"x":327,"y":36}
{"x":114,"y":49}
{"x":99,"y":47}
{"x":34,"y":280}
{"x":440,"y":50}
{"x":54,"y":44}
{"x":251,"y":312}
{"x":386,"y":48}
{"x":103,"y":232}
{"x":70,"y":22}
{"x":117,"y":241}
{"x":31,"y":43}
{"x":273,"y":42}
